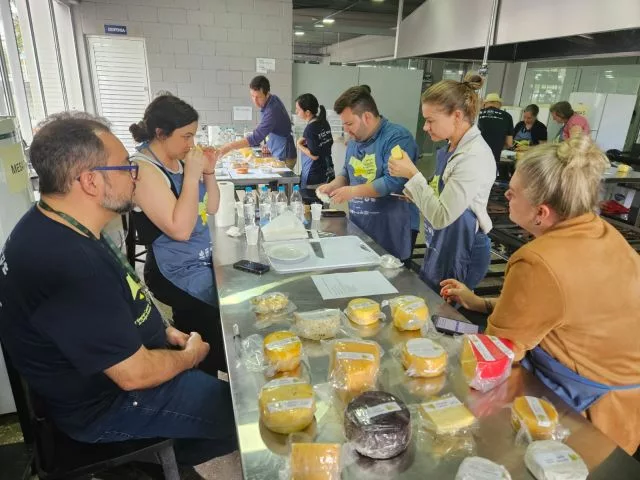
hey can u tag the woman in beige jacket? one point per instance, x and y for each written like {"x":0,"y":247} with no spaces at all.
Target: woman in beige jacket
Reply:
{"x":571,"y":297}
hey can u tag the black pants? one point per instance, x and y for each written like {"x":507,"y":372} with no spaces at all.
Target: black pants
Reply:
{"x":414,"y":236}
{"x":189,"y":315}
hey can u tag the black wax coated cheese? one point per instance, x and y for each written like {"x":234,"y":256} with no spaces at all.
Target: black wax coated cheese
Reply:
{"x":375,"y":434}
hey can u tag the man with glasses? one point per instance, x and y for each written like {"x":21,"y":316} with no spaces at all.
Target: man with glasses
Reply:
{"x":77,"y":322}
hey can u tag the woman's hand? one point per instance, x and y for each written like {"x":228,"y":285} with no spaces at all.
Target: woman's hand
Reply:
{"x":301,"y":142}
{"x":454,"y":291}
{"x":194,"y":164}
{"x":211,"y":157}
{"x":403,"y":167}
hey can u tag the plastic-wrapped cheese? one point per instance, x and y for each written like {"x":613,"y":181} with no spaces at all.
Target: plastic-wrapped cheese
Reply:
{"x":424,"y":387}
{"x":270,"y":303}
{"x":283,"y":350}
{"x":422,"y":357}
{"x":315,"y":461}
{"x":478,"y":468}
{"x":317,"y":324}
{"x":537,"y":415}
{"x":552,"y":460}
{"x":378,"y":425}
{"x":408,"y":312}
{"x":446,"y":415}
{"x":354,"y":365}
{"x":486,"y":361}
{"x":287,"y":405}
{"x":363,"y":311}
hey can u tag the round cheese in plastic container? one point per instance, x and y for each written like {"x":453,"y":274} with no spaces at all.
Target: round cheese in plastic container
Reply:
{"x":378,"y":425}
{"x":363,"y":311}
{"x":537,"y":415}
{"x":486,"y":361}
{"x":283,"y":350}
{"x":409,"y":312}
{"x":287,"y":405}
{"x":552,"y":460}
{"x":478,"y":468}
{"x":422,"y":357}
{"x":354,"y":365}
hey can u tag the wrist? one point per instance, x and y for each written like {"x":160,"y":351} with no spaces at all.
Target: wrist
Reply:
{"x":204,"y":172}
{"x":190,"y":357}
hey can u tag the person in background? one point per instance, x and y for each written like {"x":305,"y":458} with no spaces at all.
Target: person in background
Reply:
{"x":570,"y":297}
{"x":315,"y":143}
{"x":573,"y":123}
{"x":367,"y":88}
{"x":365,"y":181}
{"x":454,"y":203}
{"x":175,"y":192}
{"x":529,"y":131}
{"x":496,"y":127}
{"x":77,"y":322}
{"x":274,"y":126}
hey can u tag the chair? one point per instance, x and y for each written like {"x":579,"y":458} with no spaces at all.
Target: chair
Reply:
{"x":131,"y":241}
{"x":56,"y":456}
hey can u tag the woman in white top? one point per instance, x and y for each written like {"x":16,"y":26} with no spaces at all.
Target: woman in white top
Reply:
{"x":454,"y":203}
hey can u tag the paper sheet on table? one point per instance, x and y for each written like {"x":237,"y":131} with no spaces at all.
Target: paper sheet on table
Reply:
{"x":253,"y":175}
{"x":353,"y":284}
{"x":281,"y":170}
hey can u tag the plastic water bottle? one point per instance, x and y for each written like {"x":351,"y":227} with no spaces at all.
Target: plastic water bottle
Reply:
{"x":265,"y":206}
{"x":281,"y":200}
{"x":249,"y":207}
{"x":296,"y":203}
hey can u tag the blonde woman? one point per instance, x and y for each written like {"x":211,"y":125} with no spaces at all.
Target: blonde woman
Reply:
{"x":570,"y":299}
{"x":454,"y":203}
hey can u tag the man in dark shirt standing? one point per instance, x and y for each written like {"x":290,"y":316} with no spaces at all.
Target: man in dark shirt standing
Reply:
{"x":76,"y":321}
{"x":496,"y":127}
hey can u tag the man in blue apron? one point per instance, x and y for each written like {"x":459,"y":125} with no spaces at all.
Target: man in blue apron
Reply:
{"x":274,"y":126}
{"x":365,"y":181}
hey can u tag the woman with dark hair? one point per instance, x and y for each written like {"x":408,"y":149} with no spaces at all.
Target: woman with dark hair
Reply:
{"x":529,"y":131}
{"x":315,"y":143}
{"x":574,"y":123}
{"x":175,"y":191}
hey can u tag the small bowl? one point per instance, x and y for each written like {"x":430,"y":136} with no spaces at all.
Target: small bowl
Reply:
{"x":242,"y":170}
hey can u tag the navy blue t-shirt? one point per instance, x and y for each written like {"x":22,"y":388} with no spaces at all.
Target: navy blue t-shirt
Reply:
{"x":69,"y":311}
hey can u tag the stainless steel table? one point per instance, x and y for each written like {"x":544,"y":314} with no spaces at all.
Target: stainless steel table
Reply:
{"x":263,"y":452}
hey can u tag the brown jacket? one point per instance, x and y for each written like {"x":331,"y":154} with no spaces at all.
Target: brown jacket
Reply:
{"x":575,"y":291}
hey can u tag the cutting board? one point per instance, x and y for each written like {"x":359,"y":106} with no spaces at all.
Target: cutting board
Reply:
{"x":339,"y":252}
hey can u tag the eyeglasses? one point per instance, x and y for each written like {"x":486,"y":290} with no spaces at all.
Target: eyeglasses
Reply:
{"x":133,"y":169}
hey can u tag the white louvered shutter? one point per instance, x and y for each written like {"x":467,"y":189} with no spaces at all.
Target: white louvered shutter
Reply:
{"x":120,"y":82}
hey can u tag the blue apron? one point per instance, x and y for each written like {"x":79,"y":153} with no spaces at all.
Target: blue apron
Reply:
{"x":281,"y":147}
{"x":523,"y":136}
{"x":579,"y":392}
{"x":461,"y":250}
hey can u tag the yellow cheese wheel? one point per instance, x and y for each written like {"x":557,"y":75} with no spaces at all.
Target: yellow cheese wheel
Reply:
{"x":409,"y":312}
{"x":539,"y":416}
{"x":363,"y":311}
{"x":315,"y":461}
{"x":354,"y":365}
{"x":287,"y":405}
{"x":422,"y":357}
{"x":446,"y":414}
{"x":283,"y":350}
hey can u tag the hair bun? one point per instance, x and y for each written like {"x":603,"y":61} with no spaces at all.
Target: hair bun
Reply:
{"x":473,"y":81}
{"x":581,"y":152}
{"x":139,"y":131}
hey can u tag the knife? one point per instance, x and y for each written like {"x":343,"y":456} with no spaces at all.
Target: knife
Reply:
{"x":314,"y":241}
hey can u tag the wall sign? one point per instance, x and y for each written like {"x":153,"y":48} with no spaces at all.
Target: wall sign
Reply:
{"x":265,"y":65}
{"x":115,"y":29}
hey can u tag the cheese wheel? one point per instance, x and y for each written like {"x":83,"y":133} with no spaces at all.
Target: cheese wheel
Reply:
{"x":552,"y":460}
{"x":422,"y":357}
{"x":446,"y":415}
{"x":486,"y":361}
{"x":536,"y":414}
{"x":363,"y":311}
{"x":315,"y":461}
{"x":287,"y":405}
{"x":283,"y":350}
{"x":409,"y":312}
{"x":354,"y":365}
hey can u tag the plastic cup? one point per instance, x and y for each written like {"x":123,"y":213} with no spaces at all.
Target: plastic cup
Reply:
{"x":252,"y":232}
{"x":316,"y":211}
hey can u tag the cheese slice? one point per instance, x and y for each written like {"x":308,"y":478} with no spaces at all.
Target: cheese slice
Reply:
{"x":396,"y":152}
{"x":422,"y":357}
{"x":552,"y":460}
{"x":363,"y":311}
{"x":408,"y":312}
{"x":287,"y":405}
{"x":446,"y":415}
{"x":536,"y":414}
{"x":283,"y":350}
{"x":486,"y":361}
{"x":315,"y":461}
{"x":354,"y":365}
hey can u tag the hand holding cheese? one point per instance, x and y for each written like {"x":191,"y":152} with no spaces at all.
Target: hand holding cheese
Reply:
{"x":287,"y":405}
{"x":283,"y":350}
{"x":536,"y":415}
{"x":400,"y":165}
{"x":408,"y":312}
{"x":486,"y":361}
{"x":315,"y":461}
{"x":422,"y":357}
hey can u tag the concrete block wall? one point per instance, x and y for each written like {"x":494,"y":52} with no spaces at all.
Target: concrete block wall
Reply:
{"x":202,"y":50}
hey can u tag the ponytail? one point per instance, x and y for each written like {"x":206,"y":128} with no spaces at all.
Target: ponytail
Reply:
{"x":322,"y":113}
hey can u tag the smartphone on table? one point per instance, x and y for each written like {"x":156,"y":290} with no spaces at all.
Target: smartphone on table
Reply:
{"x":450,"y":326}
{"x":251,"y":267}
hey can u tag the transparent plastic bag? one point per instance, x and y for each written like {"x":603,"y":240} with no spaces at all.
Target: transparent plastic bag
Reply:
{"x":318,"y":324}
{"x":282,"y":351}
{"x":422,"y":357}
{"x":446,"y":415}
{"x":535,"y":418}
{"x":552,"y":460}
{"x":314,"y":461}
{"x":353,"y":365}
{"x":287,"y":405}
{"x":486,"y":361}
{"x":252,"y":356}
{"x":364,"y":312}
{"x":274,"y":303}
{"x":408,"y":312}
{"x":390,"y":262}
{"x":478,"y":468}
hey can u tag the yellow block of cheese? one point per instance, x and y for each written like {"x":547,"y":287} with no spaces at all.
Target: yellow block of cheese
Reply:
{"x":283,"y":350}
{"x":396,"y":152}
{"x":287,"y":405}
{"x":446,"y":414}
{"x":363,"y":311}
{"x":315,"y":461}
{"x":422,"y":357}
{"x":354,"y":365}
{"x":409,"y":312}
{"x":536,"y":414}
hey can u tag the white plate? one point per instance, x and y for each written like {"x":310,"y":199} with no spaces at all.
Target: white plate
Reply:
{"x":288,"y":253}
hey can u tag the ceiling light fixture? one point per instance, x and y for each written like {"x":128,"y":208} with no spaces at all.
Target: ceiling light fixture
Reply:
{"x":328,"y":21}
{"x":298,"y":33}
{"x":319,"y":25}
